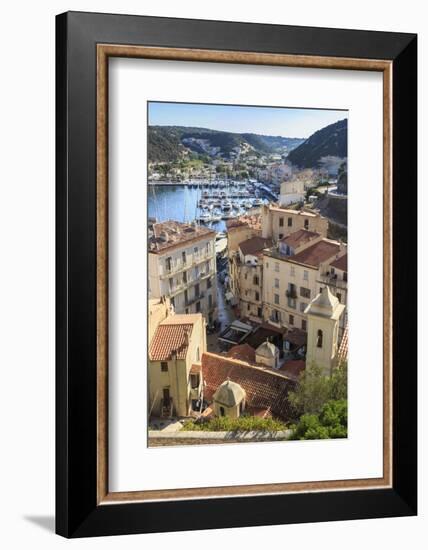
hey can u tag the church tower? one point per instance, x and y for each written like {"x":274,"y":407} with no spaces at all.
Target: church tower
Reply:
{"x":323,"y":314}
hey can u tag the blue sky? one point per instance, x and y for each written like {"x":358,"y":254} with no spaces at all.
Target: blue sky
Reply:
{"x":275,"y":121}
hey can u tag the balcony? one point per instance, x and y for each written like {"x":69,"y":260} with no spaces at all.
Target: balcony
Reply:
{"x":291,"y":293}
{"x":190,"y":262}
{"x":333,"y":279}
{"x":195,"y":299}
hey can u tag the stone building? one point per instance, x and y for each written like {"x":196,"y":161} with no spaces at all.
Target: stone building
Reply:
{"x":182,"y":267}
{"x":279,"y":222}
{"x":323,"y":313}
{"x":291,"y":273}
{"x":174,"y":366}
{"x":292,"y":191}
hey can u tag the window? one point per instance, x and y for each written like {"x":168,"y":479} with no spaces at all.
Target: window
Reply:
{"x":292,"y":271}
{"x":210,"y":301}
{"x":168,"y":264}
{"x":306,"y":225}
{"x":304,"y":325}
{"x":277,"y":267}
{"x":305,"y":292}
{"x":208,"y":248}
{"x":280,"y":236}
{"x":259,"y":312}
{"x":186,"y":311}
{"x":248,"y":306}
{"x":267,"y":265}
{"x":171,"y":284}
{"x":196,"y":271}
{"x":276,"y":283}
{"x":276,"y":316}
{"x":257,"y":296}
{"x":345,"y":276}
{"x":339,"y":296}
{"x":194,"y":381}
{"x":183,"y":257}
{"x":303,"y":307}
{"x":197,"y":290}
{"x":281,"y":222}
{"x":198,"y":307}
{"x":305,"y":275}
{"x":256,"y":280}
{"x":209,"y":283}
{"x":184,"y":276}
{"x":291,"y":302}
{"x":173,"y":302}
{"x":291,"y":319}
{"x":319,"y":339}
{"x":276,"y":298}
{"x":290,"y":222}
{"x":222,"y":411}
{"x":164,"y":366}
{"x":195,"y":251}
{"x":198,"y":355}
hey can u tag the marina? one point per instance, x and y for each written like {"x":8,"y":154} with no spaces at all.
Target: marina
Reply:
{"x":209,"y":202}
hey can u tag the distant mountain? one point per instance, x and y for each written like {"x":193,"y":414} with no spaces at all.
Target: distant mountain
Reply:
{"x":171,"y":143}
{"x":331,"y":141}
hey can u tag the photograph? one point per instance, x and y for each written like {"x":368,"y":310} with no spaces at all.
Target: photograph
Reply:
{"x":247,"y":255}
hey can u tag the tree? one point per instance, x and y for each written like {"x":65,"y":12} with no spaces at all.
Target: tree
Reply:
{"x":331,"y":423}
{"x":314,"y":389}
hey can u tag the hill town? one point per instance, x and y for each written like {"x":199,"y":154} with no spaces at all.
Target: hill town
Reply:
{"x":248,"y":282}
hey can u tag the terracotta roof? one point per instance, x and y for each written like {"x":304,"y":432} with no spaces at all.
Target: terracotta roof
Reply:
{"x":300,"y":237}
{"x":253,"y":222}
{"x":342,"y":353}
{"x":261,"y":412}
{"x":244,"y":352}
{"x":254,"y":245}
{"x":341,"y":263}
{"x":172,"y":335}
{"x":195,"y":369}
{"x":293,"y":368}
{"x":170,"y":234}
{"x":316,"y":254}
{"x":297,"y":337}
{"x":263,"y":388}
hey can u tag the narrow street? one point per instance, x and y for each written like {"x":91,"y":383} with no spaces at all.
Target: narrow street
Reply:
{"x":225,"y":316}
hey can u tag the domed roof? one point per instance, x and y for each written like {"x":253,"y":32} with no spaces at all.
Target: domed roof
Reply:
{"x":267,"y":349}
{"x":229,"y":394}
{"x":325,"y":303}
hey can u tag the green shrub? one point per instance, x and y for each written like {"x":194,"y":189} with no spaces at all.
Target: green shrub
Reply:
{"x":331,"y":423}
{"x":241,"y":424}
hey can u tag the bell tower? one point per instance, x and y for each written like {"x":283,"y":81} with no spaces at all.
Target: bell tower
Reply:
{"x":323,"y":314}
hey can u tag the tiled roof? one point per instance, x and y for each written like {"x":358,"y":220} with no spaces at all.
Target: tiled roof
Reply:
{"x":264,"y":388}
{"x":342,"y":353}
{"x":316,"y":254}
{"x":296,"y":336}
{"x":253,"y":221}
{"x":244,"y":352}
{"x":254,"y":245}
{"x":341,"y":263}
{"x":172,"y":335}
{"x":195,"y":369}
{"x":293,"y":368}
{"x":170,"y":234}
{"x":300,"y":237}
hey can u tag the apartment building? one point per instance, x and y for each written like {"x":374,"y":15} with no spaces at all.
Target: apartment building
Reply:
{"x":278,"y":222}
{"x":335,"y":276}
{"x":174,"y":368}
{"x":182,"y":267}
{"x":238,"y":231}
{"x":291,"y":276}
{"x":248,"y":267}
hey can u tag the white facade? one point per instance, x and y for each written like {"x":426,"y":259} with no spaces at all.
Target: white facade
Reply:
{"x":186,"y":274}
{"x":291,"y":192}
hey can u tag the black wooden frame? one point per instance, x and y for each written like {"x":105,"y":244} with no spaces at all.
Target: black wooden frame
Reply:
{"x":77,"y":513}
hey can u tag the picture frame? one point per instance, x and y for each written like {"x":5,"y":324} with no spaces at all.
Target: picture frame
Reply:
{"x":84,"y":44}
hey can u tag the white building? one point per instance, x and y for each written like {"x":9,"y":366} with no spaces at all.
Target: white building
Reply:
{"x":291,"y":192}
{"x":182,"y":266}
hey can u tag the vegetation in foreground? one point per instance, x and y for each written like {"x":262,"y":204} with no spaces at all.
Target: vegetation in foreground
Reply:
{"x":331,"y":423}
{"x":241,"y":424}
{"x":320,"y":403}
